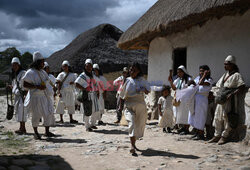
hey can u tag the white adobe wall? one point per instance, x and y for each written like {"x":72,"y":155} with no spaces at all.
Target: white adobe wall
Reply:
{"x":209,"y":44}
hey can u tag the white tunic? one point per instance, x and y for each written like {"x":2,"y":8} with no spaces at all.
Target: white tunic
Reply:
{"x":21,"y":114}
{"x":38,"y":102}
{"x":119,"y":82}
{"x":181,"y":110}
{"x":167,"y":119}
{"x":135,"y":110}
{"x":234,"y":81}
{"x":198,"y":119}
{"x":102,"y":84}
{"x":90,"y":84}
{"x":67,"y":90}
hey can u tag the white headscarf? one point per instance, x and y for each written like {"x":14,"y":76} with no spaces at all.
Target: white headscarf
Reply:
{"x":37,"y":56}
{"x":96,"y":66}
{"x":15,"y":60}
{"x":65,"y":62}
{"x":88,"y":61}
{"x":181,"y":67}
{"x":231,"y":59}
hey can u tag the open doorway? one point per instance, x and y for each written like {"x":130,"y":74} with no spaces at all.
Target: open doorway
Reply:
{"x":179,"y":58}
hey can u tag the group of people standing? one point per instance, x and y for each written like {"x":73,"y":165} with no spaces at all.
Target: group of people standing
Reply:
{"x":198,"y":104}
{"x":36,"y":88}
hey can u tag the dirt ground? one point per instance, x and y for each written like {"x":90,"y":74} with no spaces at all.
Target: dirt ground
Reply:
{"x":108,"y":148}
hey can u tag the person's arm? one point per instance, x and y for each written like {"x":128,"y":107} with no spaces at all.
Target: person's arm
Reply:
{"x":202,"y":80}
{"x":32,"y":86}
{"x":79,"y":86}
{"x":170,"y":79}
{"x":159,"y":108}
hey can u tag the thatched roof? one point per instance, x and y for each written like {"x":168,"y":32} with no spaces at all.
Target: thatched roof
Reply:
{"x":99,"y":44}
{"x":166,"y":17}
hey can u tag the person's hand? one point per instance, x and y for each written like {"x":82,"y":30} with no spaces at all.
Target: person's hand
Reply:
{"x":41,"y":87}
{"x":60,"y":95}
{"x":170,"y":79}
{"x":9,"y":87}
{"x":71,"y":83}
{"x":161,"y":114}
{"x":206,"y":72}
{"x":98,"y":94}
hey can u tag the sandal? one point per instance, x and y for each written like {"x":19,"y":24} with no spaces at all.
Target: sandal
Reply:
{"x":37,"y":136}
{"x":50,"y":134}
{"x":73,"y":121}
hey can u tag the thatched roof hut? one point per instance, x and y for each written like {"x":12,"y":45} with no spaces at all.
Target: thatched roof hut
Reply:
{"x":166,"y":17}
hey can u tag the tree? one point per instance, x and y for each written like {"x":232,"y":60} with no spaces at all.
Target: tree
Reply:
{"x":26,"y":59}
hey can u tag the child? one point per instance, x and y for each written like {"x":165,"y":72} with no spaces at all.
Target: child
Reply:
{"x":166,"y":118}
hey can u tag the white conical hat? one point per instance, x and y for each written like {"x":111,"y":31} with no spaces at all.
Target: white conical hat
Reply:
{"x":231,"y":59}
{"x":65,"y":62}
{"x":88,"y":61}
{"x":125,"y":69}
{"x":37,"y":56}
{"x":96,"y":66}
{"x":15,"y":60}
{"x":46,"y":64}
{"x":182,"y":67}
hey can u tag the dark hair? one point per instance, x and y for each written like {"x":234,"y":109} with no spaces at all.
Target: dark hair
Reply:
{"x":235,"y":68}
{"x":70,"y":69}
{"x":14,"y":74}
{"x":165,"y":87}
{"x":205,"y":67}
{"x":185,"y":76}
{"x":99,"y":71}
{"x":87,"y":73}
{"x":36,"y":64}
{"x":137,"y":65}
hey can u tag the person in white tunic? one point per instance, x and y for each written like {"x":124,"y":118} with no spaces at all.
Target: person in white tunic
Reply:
{"x":66,"y":92}
{"x":37,"y":102}
{"x":51,"y":84}
{"x":135,"y":110}
{"x":181,"y":110}
{"x":87,"y":81}
{"x":198,"y":119}
{"x":102,"y":83}
{"x":19,"y":92}
{"x":234,"y":104}
{"x":166,"y":118}
{"x":119,"y":82}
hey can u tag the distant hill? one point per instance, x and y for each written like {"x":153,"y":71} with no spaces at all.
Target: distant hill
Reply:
{"x":99,"y":44}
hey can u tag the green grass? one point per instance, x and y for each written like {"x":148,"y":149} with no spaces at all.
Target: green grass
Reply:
{"x":12,"y":142}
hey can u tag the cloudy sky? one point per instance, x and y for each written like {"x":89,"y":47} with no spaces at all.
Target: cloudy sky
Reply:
{"x":49,"y":25}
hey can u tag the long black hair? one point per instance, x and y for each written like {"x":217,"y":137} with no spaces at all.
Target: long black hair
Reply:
{"x":14,"y":74}
{"x":205,"y":67}
{"x":137,"y":65}
{"x":185,"y":76}
{"x":36,"y":64}
{"x":235,"y":68}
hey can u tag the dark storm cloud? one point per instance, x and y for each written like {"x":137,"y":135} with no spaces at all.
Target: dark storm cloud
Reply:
{"x":55,"y":13}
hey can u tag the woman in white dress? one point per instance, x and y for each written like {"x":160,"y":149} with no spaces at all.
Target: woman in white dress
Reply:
{"x":18,"y":91}
{"x":66,"y":91}
{"x":37,"y":102}
{"x":87,"y":81}
{"x":102,"y":83}
{"x":199,"y":117}
{"x":135,"y":110}
{"x":181,"y":110}
{"x":51,"y":83}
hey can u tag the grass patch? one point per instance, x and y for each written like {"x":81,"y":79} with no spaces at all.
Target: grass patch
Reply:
{"x":12,"y":142}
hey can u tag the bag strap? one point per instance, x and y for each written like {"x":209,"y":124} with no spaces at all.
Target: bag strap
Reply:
{"x":19,"y":88}
{"x":65,"y":78}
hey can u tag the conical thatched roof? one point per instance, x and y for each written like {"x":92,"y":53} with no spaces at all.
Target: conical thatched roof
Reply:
{"x":166,"y":17}
{"x":99,"y":44}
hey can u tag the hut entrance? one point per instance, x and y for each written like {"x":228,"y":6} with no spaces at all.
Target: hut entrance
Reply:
{"x":179,"y":58}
